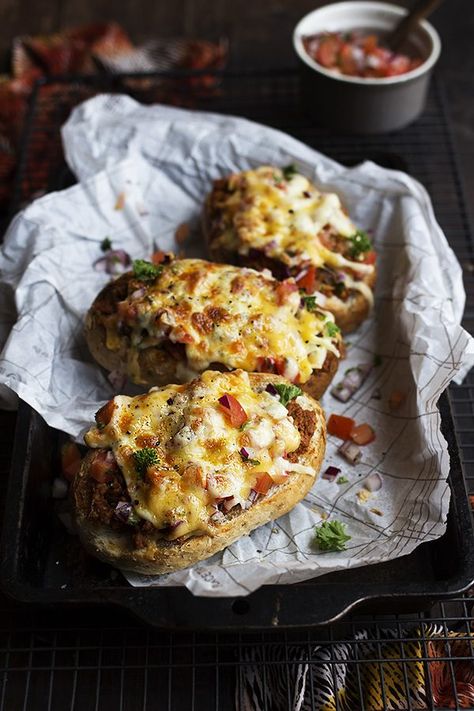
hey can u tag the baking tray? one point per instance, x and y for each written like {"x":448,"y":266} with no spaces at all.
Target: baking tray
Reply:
{"x":40,"y":563}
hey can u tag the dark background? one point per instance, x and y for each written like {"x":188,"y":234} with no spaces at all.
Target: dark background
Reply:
{"x":259,"y":32}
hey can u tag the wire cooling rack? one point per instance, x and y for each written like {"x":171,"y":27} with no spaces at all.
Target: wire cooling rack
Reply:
{"x":78,"y":658}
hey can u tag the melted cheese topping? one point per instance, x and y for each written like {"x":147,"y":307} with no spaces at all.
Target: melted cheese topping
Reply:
{"x":231,"y":316}
{"x":198,"y":452}
{"x":285,"y":218}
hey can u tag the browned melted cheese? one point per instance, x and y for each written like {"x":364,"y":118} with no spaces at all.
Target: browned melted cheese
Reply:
{"x":227,"y":315}
{"x":284,"y":218}
{"x":199,"y":458}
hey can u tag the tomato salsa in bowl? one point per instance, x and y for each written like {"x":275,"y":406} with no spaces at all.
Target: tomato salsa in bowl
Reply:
{"x":350,"y":81}
{"x":358,"y":54}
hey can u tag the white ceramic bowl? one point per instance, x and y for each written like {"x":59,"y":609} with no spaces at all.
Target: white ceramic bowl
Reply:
{"x":357,"y":104}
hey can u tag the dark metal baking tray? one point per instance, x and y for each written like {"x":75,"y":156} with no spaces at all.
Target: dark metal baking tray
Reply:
{"x":40,"y":563}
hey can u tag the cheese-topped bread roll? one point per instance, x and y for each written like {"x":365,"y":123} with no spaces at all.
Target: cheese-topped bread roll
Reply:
{"x":170,"y":322}
{"x":175,"y":475}
{"x":277,"y":219}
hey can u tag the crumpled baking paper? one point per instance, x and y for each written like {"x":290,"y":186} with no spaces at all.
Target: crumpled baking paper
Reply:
{"x":161,"y":161}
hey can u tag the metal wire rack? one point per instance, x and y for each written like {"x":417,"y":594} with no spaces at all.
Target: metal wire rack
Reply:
{"x":79,"y":658}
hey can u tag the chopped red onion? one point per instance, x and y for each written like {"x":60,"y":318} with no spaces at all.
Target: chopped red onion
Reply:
{"x":123,"y":510}
{"x":243,"y":453}
{"x":218,"y":517}
{"x":342,"y":394}
{"x":331,"y":473}
{"x":115,"y":262}
{"x":224,"y":401}
{"x":353,"y":379}
{"x":350,"y":452}
{"x":229,"y":503}
{"x":373,"y":482}
{"x":173,"y":526}
{"x":60,"y":488}
{"x":138,"y":293}
{"x":253,"y":496}
{"x":117,"y":379}
{"x":271,"y":389}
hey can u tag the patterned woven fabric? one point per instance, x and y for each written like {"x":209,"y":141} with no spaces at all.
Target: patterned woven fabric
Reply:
{"x":375,"y":671}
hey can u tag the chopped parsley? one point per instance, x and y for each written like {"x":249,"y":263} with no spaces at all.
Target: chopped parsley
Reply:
{"x":244,"y":426}
{"x":106,"y":244}
{"x":331,"y":536}
{"x":332,"y":329}
{"x":310,"y":303}
{"x":146,"y":271}
{"x":145,"y":458}
{"x":360,"y":244}
{"x":287,"y":392}
{"x":253,"y":462}
{"x":342,"y":480}
{"x":289,"y":171}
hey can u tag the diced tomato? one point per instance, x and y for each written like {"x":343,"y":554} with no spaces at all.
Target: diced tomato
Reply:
{"x":347,"y":62}
{"x":307,"y":280}
{"x":363,"y":434}
{"x":180,"y":335}
{"x":104,"y":415}
{"x":233,"y":410}
{"x":340,"y":426}
{"x":70,"y":460}
{"x":102,"y":466}
{"x":396,"y":399}
{"x":354,"y":54}
{"x":269,"y":364}
{"x":284,"y":289}
{"x":158,"y":257}
{"x":370,"y":43}
{"x":263,"y":483}
{"x":327,"y":51}
{"x":370,"y":257}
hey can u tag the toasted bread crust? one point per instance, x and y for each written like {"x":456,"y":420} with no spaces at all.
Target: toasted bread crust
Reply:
{"x":161,"y":556}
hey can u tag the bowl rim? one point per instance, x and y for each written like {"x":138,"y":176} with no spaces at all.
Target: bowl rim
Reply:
{"x":368,"y":5}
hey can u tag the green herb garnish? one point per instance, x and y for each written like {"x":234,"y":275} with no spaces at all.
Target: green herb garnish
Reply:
{"x":253,"y":462}
{"x":244,"y":426}
{"x":289,"y":171}
{"x":145,"y":458}
{"x":332,"y":329}
{"x":331,"y":536}
{"x":360,"y":244}
{"x":106,"y":244}
{"x":342,"y":480}
{"x":310,"y":303}
{"x":146,"y":271}
{"x":287,"y":392}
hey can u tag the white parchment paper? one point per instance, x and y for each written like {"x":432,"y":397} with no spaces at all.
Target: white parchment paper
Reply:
{"x":162,"y":160}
